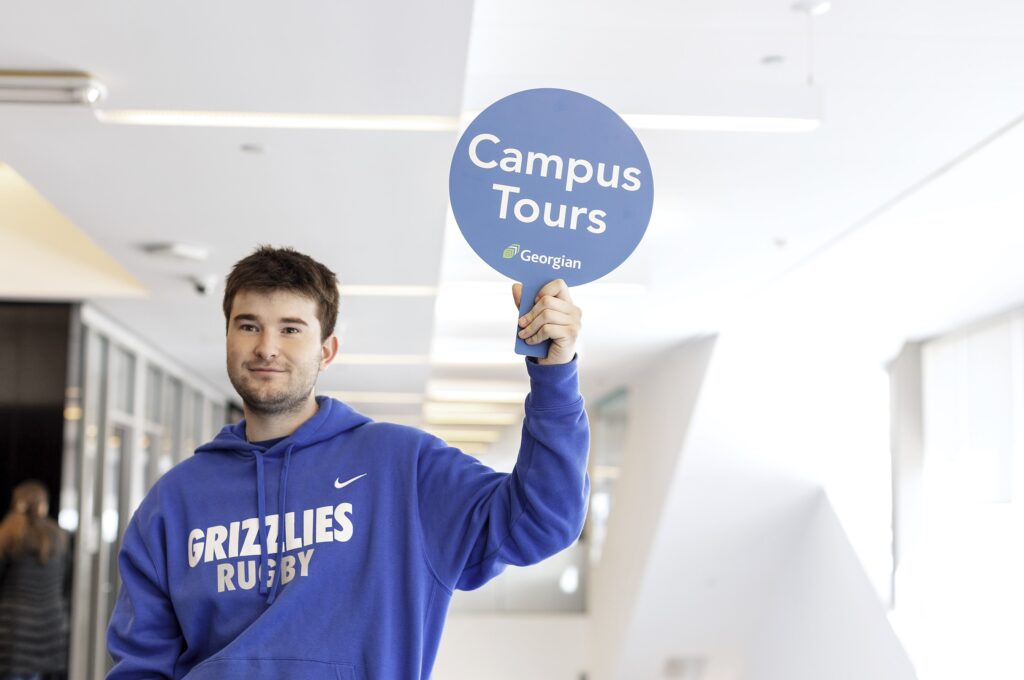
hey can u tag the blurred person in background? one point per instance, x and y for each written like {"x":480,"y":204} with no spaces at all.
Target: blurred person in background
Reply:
{"x":34,"y":557}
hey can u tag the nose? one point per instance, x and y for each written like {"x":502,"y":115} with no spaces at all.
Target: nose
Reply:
{"x":266,"y":349}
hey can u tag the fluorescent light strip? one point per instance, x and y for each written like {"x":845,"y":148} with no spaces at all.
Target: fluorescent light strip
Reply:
{"x":477,"y":396}
{"x":605,"y":472}
{"x":477,"y":359}
{"x":311,"y":121}
{"x":475,"y":419}
{"x":392,"y":123}
{"x":384,"y":291}
{"x":476,"y":389}
{"x":721,"y":123}
{"x":458,"y":407}
{"x":377,"y":397}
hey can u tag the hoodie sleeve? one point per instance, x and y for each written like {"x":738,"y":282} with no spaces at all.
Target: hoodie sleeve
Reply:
{"x":476,"y":521}
{"x":143,"y":638}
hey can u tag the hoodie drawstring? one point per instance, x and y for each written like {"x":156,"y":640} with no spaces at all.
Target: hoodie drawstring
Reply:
{"x":332,"y":418}
{"x":282,"y":496}
{"x":261,"y":507}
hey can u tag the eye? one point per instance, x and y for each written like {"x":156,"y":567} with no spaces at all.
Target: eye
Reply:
{"x":247,"y":327}
{"x":292,"y":330}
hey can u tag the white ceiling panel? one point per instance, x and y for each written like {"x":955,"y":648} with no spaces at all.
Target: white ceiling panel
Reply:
{"x":320,"y":56}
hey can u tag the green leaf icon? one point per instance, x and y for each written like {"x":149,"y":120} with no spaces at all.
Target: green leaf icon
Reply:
{"x":511,"y":251}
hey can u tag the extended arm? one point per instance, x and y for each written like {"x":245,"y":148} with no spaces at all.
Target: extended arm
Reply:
{"x":476,"y":520}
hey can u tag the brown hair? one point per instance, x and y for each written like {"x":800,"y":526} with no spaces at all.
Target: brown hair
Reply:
{"x":24,"y":531}
{"x":270,"y":269}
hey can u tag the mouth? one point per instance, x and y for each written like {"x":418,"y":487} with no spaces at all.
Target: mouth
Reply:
{"x":265,"y":371}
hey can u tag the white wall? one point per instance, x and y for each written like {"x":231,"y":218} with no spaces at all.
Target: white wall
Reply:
{"x":661,"y":400}
{"x":959,"y":587}
{"x":823,"y":619}
{"x":786,"y":408}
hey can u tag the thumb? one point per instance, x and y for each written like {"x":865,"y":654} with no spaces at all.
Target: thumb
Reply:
{"x":517,"y":293}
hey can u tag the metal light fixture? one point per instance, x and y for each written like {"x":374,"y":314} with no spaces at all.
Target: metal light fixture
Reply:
{"x":179,"y":250}
{"x":50,"y":87}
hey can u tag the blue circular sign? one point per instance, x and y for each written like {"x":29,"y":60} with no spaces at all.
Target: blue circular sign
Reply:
{"x":549,"y":184}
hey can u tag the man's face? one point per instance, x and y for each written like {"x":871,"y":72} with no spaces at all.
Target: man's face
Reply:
{"x":274,"y":351}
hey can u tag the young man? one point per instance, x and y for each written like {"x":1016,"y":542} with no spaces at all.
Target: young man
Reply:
{"x":310,"y":542}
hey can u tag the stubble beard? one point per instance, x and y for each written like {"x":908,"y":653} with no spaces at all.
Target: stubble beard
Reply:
{"x":280,"y":403}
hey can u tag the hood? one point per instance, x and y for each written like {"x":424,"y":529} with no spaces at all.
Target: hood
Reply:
{"x":332,"y":418}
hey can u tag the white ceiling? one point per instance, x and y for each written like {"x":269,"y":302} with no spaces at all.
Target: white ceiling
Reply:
{"x":904,"y":88}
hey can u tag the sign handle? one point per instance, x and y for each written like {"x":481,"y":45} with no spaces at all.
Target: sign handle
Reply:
{"x":540,"y":350}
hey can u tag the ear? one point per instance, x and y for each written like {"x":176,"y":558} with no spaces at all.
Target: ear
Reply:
{"x":328,"y":350}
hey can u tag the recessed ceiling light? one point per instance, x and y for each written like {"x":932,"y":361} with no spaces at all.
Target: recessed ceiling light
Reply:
{"x":569,"y":581}
{"x":772,"y":59}
{"x":252,"y":148}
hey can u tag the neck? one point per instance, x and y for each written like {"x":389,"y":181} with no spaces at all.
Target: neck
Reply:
{"x":263,"y":426}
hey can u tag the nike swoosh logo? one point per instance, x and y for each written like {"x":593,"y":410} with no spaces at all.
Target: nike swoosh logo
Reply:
{"x":338,"y":484}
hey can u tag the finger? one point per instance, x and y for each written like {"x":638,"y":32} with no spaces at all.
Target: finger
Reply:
{"x":517,"y":293}
{"x":557,"y":288}
{"x":548,"y":316}
{"x":548,"y":302}
{"x":556,"y":333}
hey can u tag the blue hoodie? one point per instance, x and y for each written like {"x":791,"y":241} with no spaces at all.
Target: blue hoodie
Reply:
{"x":334,"y":553}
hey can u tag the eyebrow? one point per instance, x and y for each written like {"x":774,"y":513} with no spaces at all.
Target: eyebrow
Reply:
{"x":288,"y":319}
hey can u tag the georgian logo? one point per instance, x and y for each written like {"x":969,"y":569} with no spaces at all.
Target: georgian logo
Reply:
{"x":555,"y":262}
